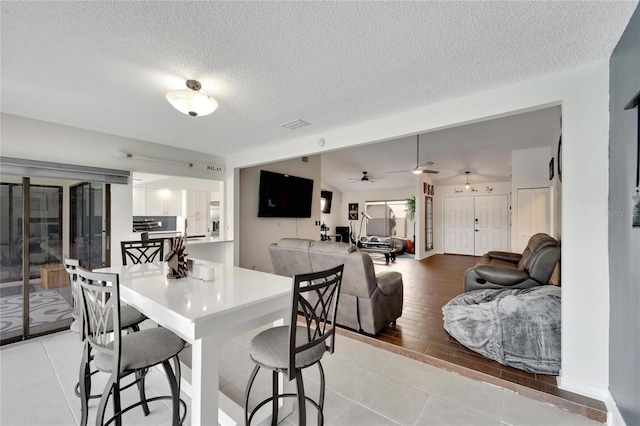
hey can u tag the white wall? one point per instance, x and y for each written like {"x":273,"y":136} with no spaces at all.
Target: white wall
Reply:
{"x":441,"y":192}
{"x":39,"y":140}
{"x":584,"y":96}
{"x":530,"y":168}
{"x":256,"y":233}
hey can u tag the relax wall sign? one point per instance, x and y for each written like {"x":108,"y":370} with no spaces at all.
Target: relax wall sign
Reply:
{"x":213,"y":168}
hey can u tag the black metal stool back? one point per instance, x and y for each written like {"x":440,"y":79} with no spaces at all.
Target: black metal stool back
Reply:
{"x":289,"y":349}
{"x":142,"y":251}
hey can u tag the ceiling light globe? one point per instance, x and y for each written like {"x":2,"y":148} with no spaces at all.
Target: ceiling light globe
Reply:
{"x":191,"y":102}
{"x":417,"y":171}
{"x":467,"y":186}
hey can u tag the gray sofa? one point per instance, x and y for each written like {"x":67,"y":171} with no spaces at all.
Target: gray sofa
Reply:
{"x":367,"y":303}
{"x":503,"y":270}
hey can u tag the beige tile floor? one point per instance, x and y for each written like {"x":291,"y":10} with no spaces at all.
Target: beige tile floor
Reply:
{"x":365,"y":386}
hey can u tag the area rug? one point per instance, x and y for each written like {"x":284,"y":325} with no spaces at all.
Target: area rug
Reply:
{"x":47,"y":308}
{"x":407,"y":256}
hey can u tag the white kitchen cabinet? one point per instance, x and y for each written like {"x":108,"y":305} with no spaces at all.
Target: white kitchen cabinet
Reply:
{"x":164,"y":202}
{"x":197,"y":203}
{"x":197,"y":225}
{"x":139,"y":201}
{"x":198,"y":212}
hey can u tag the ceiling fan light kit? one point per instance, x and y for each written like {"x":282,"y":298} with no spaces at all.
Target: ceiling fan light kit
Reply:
{"x":191,"y":101}
{"x":418,"y":170}
{"x":365,"y":178}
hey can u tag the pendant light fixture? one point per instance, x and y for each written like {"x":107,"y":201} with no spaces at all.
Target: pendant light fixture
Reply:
{"x":190,"y":101}
{"x":467,"y":186}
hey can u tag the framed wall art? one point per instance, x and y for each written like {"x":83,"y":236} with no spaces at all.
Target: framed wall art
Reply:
{"x":353,"y":211}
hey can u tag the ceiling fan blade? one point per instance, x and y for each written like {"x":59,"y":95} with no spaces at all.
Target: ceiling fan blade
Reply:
{"x":434,"y":172}
{"x":427,"y":164}
{"x":399,"y":171}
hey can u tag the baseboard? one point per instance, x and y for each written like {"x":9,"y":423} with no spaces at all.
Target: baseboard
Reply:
{"x":614,"y":417}
{"x":582,"y":388}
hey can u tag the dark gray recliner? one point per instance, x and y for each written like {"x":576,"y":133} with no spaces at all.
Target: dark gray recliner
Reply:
{"x":504,"y":270}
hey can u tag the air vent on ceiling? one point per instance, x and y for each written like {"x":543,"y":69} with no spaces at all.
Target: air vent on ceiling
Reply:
{"x":295,"y":124}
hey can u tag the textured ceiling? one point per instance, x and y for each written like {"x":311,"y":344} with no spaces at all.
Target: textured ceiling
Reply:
{"x":106,"y":66}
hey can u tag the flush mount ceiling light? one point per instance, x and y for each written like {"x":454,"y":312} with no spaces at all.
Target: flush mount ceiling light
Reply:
{"x":190,"y":101}
{"x":467,"y":186}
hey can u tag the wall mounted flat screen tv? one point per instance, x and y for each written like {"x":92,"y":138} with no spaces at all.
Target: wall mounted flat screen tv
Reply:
{"x":284,"y":195}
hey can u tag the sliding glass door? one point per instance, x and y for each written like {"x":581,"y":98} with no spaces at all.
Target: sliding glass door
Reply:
{"x":41,"y":222}
{"x":88,"y":237}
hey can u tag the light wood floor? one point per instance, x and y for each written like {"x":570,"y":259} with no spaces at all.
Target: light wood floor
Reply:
{"x":428,"y":285}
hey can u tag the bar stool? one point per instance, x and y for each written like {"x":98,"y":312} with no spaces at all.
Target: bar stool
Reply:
{"x":130,"y":318}
{"x":122,"y":355}
{"x":289,"y":349}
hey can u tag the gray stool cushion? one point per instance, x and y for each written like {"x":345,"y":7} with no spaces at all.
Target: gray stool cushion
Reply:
{"x":271,"y":348}
{"x":129,"y":316}
{"x":142,"y":349}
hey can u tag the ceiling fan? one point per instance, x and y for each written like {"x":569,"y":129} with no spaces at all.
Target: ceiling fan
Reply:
{"x":365,"y":178}
{"x":419,"y":169}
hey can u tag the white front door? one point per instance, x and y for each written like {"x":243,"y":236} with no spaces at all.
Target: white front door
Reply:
{"x":459,"y":225}
{"x":491,"y":224}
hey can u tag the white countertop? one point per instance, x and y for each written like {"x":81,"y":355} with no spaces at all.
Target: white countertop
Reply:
{"x":206,"y":240}
{"x":166,"y":234}
{"x":189,"y":304}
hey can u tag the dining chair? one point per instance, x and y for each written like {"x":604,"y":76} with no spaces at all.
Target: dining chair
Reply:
{"x":144,"y":251}
{"x":76,"y":311}
{"x":291,"y":348}
{"x":130,"y":318}
{"x":120,"y":354}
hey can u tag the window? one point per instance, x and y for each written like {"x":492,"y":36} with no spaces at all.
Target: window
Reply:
{"x":388,"y":218}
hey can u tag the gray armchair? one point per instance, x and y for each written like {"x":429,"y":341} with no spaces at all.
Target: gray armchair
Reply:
{"x":503,"y":270}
